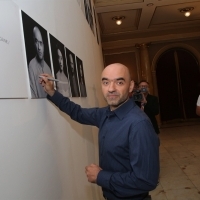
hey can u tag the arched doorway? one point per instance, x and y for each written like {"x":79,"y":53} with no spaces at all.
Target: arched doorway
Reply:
{"x":178,"y":78}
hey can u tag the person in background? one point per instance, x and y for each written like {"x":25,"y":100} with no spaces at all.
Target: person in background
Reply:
{"x":134,"y":90}
{"x":149,"y":104}
{"x":37,"y":66}
{"x":198,"y":106}
{"x":62,"y":87}
{"x":128,"y":145}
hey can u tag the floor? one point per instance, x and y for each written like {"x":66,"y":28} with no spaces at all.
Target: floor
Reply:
{"x":179,"y":163}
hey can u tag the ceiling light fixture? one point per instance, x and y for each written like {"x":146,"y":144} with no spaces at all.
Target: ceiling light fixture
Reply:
{"x":118,"y":19}
{"x":186,"y":11}
{"x":150,"y":4}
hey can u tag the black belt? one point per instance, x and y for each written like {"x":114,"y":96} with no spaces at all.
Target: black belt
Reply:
{"x":148,"y":197}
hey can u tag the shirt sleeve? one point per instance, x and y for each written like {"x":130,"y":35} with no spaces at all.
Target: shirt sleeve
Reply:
{"x":89,"y":116}
{"x":144,"y":161}
{"x":198,"y":101}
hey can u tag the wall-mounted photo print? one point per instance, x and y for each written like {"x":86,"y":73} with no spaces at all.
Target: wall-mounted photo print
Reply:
{"x":71,"y":64}
{"x":81,"y":78}
{"x":89,"y":13}
{"x":59,"y":66}
{"x":37,"y":54}
{"x":95,"y":20}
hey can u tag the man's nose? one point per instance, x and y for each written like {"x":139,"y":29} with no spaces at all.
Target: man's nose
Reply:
{"x":111,"y":87}
{"x":39,"y":46}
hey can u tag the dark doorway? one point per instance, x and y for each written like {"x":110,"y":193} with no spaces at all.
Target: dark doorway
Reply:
{"x":178,"y":81}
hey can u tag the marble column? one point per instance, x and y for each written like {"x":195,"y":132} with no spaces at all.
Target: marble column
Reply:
{"x":146,"y":73}
{"x":145,"y":67}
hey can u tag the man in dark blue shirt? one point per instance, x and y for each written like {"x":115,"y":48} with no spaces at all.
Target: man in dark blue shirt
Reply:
{"x":128,"y":145}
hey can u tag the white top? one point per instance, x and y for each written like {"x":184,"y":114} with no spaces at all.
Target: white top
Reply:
{"x":35,"y":69}
{"x":64,"y":89}
{"x":198,"y":101}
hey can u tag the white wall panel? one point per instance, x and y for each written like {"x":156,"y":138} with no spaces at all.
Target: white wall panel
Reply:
{"x":13,"y":76}
{"x":43,"y":153}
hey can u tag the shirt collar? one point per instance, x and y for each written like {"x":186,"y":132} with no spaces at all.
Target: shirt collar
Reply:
{"x":122,"y":110}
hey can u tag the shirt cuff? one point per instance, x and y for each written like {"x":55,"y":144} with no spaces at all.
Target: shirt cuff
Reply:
{"x":198,"y":101}
{"x":56,"y":97}
{"x":103,"y":179}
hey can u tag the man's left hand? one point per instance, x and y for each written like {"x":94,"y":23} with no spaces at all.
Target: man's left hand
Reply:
{"x":92,"y":171}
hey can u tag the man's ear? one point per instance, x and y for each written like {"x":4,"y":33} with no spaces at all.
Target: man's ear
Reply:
{"x":131,"y":86}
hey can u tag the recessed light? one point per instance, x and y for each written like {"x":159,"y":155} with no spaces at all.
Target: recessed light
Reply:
{"x":150,"y":4}
{"x":186,"y":11}
{"x":118,"y":19}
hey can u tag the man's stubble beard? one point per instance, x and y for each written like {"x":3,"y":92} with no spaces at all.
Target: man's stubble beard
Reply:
{"x":40,"y":59}
{"x":116,"y":102}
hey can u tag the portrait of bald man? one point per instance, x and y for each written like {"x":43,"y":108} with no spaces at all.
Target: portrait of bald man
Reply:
{"x":71,"y":64}
{"x":59,"y":66}
{"x":37,"y":52}
{"x":81,"y":78}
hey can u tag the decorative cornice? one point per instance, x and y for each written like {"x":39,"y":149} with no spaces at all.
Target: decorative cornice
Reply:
{"x":152,"y":39}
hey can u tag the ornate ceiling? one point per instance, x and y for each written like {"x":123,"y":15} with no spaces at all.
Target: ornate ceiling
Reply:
{"x":146,"y":21}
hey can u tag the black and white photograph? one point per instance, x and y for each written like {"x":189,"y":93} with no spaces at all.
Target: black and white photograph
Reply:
{"x":89,"y":14}
{"x":71,"y":65}
{"x":96,"y":27}
{"x":37,"y":54}
{"x":59,"y":66}
{"x":81,"y":78}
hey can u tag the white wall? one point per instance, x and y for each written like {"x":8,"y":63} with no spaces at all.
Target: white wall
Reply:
{"x":43,"y":153}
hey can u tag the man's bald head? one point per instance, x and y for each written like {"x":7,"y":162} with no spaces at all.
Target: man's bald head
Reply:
{"x":116,"y":84}
{"x":38,"y":41}
{"x":119,"y":68}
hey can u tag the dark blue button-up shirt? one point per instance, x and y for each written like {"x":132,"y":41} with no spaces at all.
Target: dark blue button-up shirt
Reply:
{"x":128,"y":147}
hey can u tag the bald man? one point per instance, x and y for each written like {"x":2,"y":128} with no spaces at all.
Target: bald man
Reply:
{"x":128,"y":145}
{"x":37,"y":66}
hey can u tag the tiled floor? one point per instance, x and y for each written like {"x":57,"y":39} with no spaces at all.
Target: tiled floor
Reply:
{"x":179,"y":164}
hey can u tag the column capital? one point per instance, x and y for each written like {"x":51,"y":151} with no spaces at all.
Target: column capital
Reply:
{"x":138,"y":46}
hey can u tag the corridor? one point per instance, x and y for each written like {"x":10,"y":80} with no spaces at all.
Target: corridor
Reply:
{"x":179,"y":164}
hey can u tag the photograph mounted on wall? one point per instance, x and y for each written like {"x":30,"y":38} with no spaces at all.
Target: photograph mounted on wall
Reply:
{"x":71,"y":66}
{"x":89,"y":14}
{"x":81,"y":79}
{"x":96,"y":28}
{"x":37,"y":54}
{"x":59,"y":66}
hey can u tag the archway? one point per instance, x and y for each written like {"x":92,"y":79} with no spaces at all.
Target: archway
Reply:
{"x":178,"y":78}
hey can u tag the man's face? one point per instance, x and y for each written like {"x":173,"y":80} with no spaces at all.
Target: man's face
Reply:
{"x":81,"y":71}
{"x":144,"y":85}
{"x":116,"y":85}
{"x":71,"y":63}
{"x":60,"y":59}
{"x":39,"y":46}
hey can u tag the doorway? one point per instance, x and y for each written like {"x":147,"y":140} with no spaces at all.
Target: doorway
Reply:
{"x":178,"y":83}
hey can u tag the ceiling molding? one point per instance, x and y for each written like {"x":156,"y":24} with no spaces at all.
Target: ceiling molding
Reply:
{"x":152,"y":39}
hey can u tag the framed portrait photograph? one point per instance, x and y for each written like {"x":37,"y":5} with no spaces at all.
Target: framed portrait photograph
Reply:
{"x":71,"y":66}
{"x":37,"y":54}
{"x":59,"y":66}
{"x":81,"y":78}
{"x":96,"y":25}
{"x":89,"y":14}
